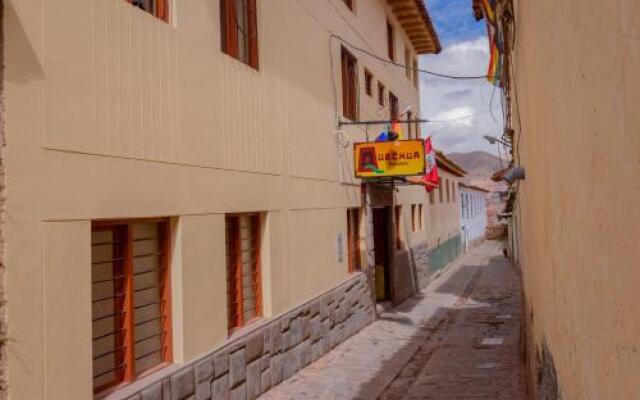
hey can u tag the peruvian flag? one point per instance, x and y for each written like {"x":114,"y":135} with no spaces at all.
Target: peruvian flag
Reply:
{"x":431,"y":178}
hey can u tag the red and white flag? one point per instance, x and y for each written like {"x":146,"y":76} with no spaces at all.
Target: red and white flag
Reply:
{"x":431,"y":178}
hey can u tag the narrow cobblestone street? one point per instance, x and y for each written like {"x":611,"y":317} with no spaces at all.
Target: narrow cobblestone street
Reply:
{"x":458,"y":339}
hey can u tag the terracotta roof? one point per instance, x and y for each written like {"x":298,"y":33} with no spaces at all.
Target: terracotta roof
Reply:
{"x":477,"y":10}
{"x":415,"y":20}
{"x":448,"y":165}
{"x":474,"y":187}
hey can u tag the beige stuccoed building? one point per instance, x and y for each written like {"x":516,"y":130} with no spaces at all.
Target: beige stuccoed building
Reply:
{"x":571,"y":81}
{"x":181,"y":215}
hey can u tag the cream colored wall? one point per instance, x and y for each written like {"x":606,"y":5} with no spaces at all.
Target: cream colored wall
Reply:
{"x":441,"y":220}
{"x":114,"y":114}
{"x":576,"y":73}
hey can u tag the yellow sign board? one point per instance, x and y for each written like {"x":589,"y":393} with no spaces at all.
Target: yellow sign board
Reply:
{"x":382,"y":159}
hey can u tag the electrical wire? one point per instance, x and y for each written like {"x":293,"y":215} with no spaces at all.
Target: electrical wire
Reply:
{"x":384,"y":60}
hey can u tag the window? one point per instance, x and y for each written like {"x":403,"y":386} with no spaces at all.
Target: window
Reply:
{"x":368,"y":82}
{"x":420,"y":216}
{"x":349,"y":85}
{"x":453,"y":191}
{"x":463,"y":205}
{"x":398,"y":222}
{"x":432,"y":197}
{"x":239,"y":30}
{"x":157,"y":8}
{"x":407,"y":62}
{"x":390,"y":42}
{"x":415,"y":72}
{"x":349,"y":4}
{"x":394,"y":108}
{"x":414,"y":222}
{"x":441,"y":191}
{"x":353,"y":239}
{"x":244,"y":291}
{"x":381,"y":94}
{"x":130,"y":300}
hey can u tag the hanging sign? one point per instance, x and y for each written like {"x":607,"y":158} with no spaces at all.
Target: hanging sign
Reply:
{"x":383,"y":159}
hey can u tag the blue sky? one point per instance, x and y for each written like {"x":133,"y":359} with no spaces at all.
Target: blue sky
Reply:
{"x":465,"y":110}
{"x":454,"y":20}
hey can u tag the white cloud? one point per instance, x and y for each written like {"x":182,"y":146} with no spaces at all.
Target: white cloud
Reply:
{"x":461,"y":107}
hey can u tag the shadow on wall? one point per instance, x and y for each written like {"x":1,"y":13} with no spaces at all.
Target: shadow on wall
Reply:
{"x":25,"y":65}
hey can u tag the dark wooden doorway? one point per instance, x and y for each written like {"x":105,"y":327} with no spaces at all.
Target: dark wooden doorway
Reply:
{"x":381,"y":243}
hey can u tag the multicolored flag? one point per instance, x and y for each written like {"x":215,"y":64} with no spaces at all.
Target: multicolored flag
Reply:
{"x":431,"y":178}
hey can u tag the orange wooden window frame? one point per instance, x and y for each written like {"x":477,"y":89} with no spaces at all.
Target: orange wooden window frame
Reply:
{"x":368,"y":82}
{"x":123,"y":232}
{"x":391,"y":42}
{"x":349,"y":85}
{"x":159,"y":9}
{"x":229,"y":33}
{"x":235,"y":295}
{"x":353,"y":240}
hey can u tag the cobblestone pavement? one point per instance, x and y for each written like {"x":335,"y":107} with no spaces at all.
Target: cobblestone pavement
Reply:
{"x":458,"y":339}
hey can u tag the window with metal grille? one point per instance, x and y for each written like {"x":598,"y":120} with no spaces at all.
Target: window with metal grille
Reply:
{"x":380,"y":93}
{"x":158,"y":8}
{"x":390,"y":42}
{"x":239,"y":30}
{"x":368,"y":82}
{"x":353,"y":239}
{"x":349,"y":85}
{"x":244,"y":288}
{"x":394,"y":108}
{"x":131,"y":304}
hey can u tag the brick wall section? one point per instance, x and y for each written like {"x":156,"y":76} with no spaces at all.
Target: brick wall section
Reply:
{"x":3,"y":316}
{"x":249,"y":366}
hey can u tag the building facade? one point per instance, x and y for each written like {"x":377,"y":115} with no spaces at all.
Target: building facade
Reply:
{"x":573,"y":124}
{"x":473,"y":215}
{"x":181,"y":215}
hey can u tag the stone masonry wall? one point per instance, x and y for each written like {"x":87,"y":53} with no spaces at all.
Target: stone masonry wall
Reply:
{"x":251,"y":365}
{"x":430,"y":261}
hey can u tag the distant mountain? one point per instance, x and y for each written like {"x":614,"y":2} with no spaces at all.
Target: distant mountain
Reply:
{"x":479,"y":165}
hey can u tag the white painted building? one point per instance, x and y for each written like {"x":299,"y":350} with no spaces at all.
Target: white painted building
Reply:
{"x":473,"y":214}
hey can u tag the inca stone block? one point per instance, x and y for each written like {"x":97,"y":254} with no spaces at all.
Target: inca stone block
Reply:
{"x":276,"y":369}
{"x":253,"y":349}
{"x":265,"y":381}
{"x":305,"y":327}
{"x":276,"y":338}
{"x":237,"y":368}
{"x":291,"y":363}
{"x":286,"y":341}
{"x":284,"y":324}
{"x":204,"y":370}
{"x":253,"y":380}
{"x":296,"y":332}
{"x":203,"y":390}
{"x":266,"y":341}
{"x":316,"y":329}
{"x":265,"y":362}
{"x":239,"y":393}
{"x":220,"y":388}
{"x":304,"y":353}
{"x":221,"y":363}
{"x":183,"y":384}
{"x":153,"y":392}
